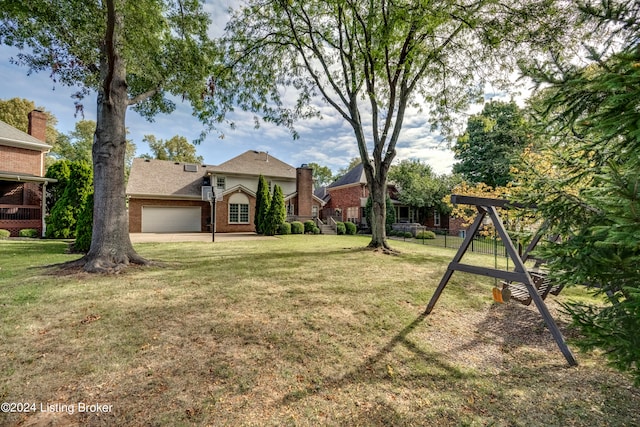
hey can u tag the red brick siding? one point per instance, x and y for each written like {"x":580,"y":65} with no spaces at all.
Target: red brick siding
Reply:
{"x":346,"y":197}
{"x":222,"y":217}
{"x":135,"y":211}
{"x":304,"y":188}
{"x":38,"y":125}
{"x":20,"y":161}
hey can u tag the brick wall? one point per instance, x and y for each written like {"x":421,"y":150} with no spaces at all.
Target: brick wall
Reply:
{"x":346,"y":197}
{"x":304,"y":188}
{"x":222,"y":217}
{"x":20,"y":160}
{"x":38,"y":125}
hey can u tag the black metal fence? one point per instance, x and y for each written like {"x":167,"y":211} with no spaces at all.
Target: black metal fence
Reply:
{"x":489,"y":245}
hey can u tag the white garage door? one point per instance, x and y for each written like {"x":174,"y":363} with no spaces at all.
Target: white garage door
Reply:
{"x":170,"y":219}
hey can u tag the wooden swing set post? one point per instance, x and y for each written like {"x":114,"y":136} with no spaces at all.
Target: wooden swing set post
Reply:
{"x":520,"y":274}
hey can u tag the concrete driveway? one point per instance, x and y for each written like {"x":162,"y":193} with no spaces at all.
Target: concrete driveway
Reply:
{"x":194,"y":237}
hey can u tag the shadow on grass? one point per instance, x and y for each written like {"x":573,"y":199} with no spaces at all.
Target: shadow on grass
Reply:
{"x":364,"y":370}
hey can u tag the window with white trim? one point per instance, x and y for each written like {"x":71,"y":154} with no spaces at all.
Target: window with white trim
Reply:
{"x":436,"y":218}
{"x":238,"y":209}
{"x":221,"y":182}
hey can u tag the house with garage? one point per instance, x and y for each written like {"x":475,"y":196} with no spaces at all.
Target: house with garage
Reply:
{"x":22,"y":181}
{"x":172,"y":197}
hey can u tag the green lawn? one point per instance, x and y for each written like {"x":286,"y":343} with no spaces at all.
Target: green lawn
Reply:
{"x":301,"y":331}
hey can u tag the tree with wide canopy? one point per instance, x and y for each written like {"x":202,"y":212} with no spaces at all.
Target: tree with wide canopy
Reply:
{"x":372,"y":62}
{"x":131,"y":53}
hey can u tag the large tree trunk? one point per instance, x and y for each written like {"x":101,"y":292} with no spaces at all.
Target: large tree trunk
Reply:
{"x":111,"y":247}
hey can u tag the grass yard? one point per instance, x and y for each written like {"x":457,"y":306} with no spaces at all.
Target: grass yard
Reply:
{"x":300,"y":331}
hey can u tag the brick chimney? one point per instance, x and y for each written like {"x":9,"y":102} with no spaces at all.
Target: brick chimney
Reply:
{"x":38,"y":125}
{"x":304,"y":187}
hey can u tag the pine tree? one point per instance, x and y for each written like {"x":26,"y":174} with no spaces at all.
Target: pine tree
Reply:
{"x":277,"y":212}
{"x":262,"y":205}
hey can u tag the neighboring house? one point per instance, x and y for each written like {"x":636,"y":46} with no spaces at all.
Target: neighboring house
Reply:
{"x":166,"y":196}
{"x":22,"y":182}
{"x":346,"y":198}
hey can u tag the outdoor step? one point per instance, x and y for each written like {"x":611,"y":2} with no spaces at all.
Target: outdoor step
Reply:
{"x":327,"y":229}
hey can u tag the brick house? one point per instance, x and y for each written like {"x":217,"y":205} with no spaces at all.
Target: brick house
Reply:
{"x":22,"y":182}
{"x":166,"y":196}
{"x":346,"y":198}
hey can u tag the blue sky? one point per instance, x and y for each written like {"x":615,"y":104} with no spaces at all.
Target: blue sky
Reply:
{"x":328,"y":141}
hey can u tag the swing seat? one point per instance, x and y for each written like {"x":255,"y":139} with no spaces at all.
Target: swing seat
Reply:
{"x":542,"y":283}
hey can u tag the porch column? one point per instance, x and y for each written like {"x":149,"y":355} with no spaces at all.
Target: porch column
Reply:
{"x":44,"y":208}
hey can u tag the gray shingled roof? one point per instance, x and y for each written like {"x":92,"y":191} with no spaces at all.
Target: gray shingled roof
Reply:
{"x":256,"y":163}
{"x":354,"y":176}
{"x":164,"y":178}
{"x":15,"y":137}
{"x":161,"y":178}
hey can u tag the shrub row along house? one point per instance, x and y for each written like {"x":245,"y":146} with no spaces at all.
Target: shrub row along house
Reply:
{"x":22,"y":182}
{"x":166,"y":196}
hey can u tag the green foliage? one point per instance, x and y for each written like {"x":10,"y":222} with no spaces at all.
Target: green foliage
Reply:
{"x":322,"y":175}
{"x":407,"y":234}
{"x":419,"y":187}
{"x":284,"y":228}
{"x":84,"y":227}
{"x":316,"y":230}
{"x":60,"y":171}
{"x":425,"y":235}
{"x":4,"y":234}
{"x":62,"y":220}
{"x":340,"y":227}
{"x":309,"y":226}
{"x":176,"y":149}
{"x":297,"y":227}
{"x":591,"y":117}
{"x":492,"y":139}
{"x":350,"y":228}
{"x":277,"y":212}
{"x":28,"y":232}
{"x":263,"y":201}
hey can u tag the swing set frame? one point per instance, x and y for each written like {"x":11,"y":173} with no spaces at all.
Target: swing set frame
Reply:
{"x":520,"y":274}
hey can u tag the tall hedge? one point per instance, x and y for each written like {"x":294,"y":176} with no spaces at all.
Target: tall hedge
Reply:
{"x":84,"y":227}
{"x":277,"y":212}
{"x":62,"y":221}
{"x":262,"y":205}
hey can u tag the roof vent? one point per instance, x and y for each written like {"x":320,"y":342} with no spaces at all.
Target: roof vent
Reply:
{"x":191,"y":168}
{"x":147,"y":160}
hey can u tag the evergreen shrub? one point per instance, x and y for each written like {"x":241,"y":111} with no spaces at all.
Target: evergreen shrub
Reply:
{"x":340,"y":228}
{"x":297,"y":227}
{"x":351,"y":228}
{"x":28,"y":232}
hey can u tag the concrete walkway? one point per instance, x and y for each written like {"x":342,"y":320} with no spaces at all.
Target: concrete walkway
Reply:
{"x":194,"y":237}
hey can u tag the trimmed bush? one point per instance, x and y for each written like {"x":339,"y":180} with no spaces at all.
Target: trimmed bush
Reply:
{"x":284,"y":228}
{"x":407,"y":234}
{"x":316,"y":230}
{"x":426,"y":235}
{"x":309,"y":226}
{"x":340,"y":228}
{"x":4,"y":234}
{"x":28,"y":232}
{"x":297,"y":227}
{"x":351,"y":228}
